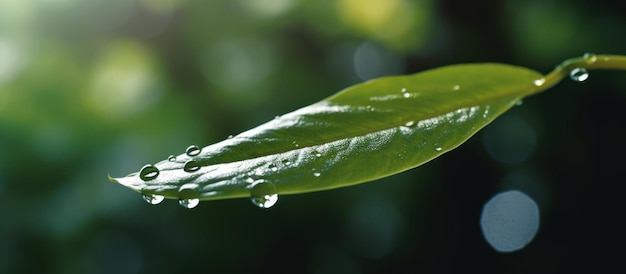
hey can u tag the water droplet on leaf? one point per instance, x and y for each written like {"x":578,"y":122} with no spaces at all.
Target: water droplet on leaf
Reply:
{"x":456,"y":87}
{"x":539,"y":82}
{"x":264,"y":195}
{"x":153,"y":199}
{"x":189,"y":203}
{"x":193,"y":150}
{"x":410,"y":123}
{"x":579,"y":74}
{"x":438,"y":148}
{"x":316,"y":153}
{"x":230,"y":136}
{"x":171,"y":158}
{"x":273,"y":167}
{"x":590,"y":58}
{"x":295,"y":144}
{"x":191,"y":166}
{"x":317,"y":174}
{"x":286,"y":162}
{"x":519,"y":103}
{"x":148,"y":172}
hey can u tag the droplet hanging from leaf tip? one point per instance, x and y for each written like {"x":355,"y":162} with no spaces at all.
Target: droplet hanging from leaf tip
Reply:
{"x":579,"y":74}
{"x":192,"y":150}
{"x":189,"y":203}
{"x":148,"y":172}
{"x":153,"y":199}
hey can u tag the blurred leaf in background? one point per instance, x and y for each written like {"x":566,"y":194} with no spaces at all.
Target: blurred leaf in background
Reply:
{"x":94,"y":87}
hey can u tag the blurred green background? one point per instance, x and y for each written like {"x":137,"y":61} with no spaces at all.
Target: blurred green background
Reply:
{"x":97,"y":87}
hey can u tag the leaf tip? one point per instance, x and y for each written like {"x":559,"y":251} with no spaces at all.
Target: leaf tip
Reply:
{"x":113,"y":180}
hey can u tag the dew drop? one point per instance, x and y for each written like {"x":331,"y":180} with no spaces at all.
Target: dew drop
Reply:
{"x":317,"y":174}
{"x":171,"y":158}
{"x":316,"y":153}
{"x":264,"y":195}
{"x":273,"y":167}
{"x":590,"y":58}
{"x":191,"y":166}
{"x":189,"y":203}
{"x":230,"y":136}
{"x":456,"y":87}
{"x":295,"y":144}
{"x":286,"y":162}
{"x":153,"y":199}
{"x":193,"y":150}
{"x":438,"y":148}
{"x":148,"y":172}
{"x":249,"y":180}
{"x":405,"y":94}
{"x":539,"y":82}
{"x":409,"y":123}
{"x":579,"y":74}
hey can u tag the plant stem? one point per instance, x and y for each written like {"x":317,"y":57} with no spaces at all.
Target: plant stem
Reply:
{"x":587,"y":61}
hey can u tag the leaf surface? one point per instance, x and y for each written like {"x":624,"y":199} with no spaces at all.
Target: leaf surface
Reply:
{"x":365,"y":132}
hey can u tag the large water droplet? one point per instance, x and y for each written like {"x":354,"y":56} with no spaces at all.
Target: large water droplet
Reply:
{"x":192,"y":150}
{"x":148,"y":172}
{"x":189,"y":203}
{"x":579,"y":74}
{"x":590,"y":58}
{"x":264,"y":195}
{"x":171,"y":158}
{"x":153,"y":199}
{"x":191,"y":166}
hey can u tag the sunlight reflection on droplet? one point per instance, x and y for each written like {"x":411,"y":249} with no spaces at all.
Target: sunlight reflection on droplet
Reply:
{"x":509,"y":221}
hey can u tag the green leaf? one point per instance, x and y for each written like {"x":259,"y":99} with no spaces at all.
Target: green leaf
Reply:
{"x":365,"y":132}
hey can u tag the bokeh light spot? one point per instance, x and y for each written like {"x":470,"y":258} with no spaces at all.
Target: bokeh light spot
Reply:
{"x":509,"y":221}
{"x":397,"y":23}
{"x":124,"y":81}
